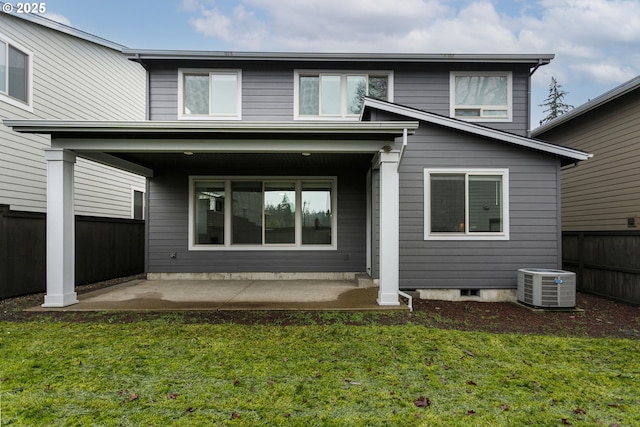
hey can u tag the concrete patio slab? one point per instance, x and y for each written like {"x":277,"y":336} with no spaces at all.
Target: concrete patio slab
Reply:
{"x":170,"y":295}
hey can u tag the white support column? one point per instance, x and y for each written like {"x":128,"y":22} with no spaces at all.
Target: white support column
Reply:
{"x":60,"y":229}
{"x":389,"y":228}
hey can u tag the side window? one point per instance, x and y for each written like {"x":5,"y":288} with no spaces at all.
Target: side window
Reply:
{"x":137,"y":204}
{"x":15,"y":74}
{"x":481,"y":96}
{"x":466,"y":204}
{"x":209,"y":94}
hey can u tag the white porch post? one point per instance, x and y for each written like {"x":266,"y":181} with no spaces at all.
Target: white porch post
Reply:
{"x":60,"y":229}
{"x":389,"y":228}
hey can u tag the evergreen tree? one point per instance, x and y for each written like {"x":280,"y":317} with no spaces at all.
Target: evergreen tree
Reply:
{"x":555,"y":102}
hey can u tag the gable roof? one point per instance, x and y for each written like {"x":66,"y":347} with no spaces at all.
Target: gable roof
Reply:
{"x":57,"y":26}
{"x":568,"y":155}
{"x":617,"y":92}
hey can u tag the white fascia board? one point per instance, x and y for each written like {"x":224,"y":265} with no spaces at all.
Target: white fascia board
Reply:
{"x":226,"y":145}
{"x":477,"y":130}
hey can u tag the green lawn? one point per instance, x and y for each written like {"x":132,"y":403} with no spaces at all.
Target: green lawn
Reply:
{"x":161,"y":373}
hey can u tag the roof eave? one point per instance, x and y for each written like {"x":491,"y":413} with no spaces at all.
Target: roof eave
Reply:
{"x":569,"y":155}
{"x":244,"y":127}
{"x":152,"y":54}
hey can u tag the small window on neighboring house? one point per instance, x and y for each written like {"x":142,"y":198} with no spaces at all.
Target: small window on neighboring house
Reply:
{"x":15,"y":74}
{"x":138,"y":204}
{"x":481,"y":96}
{"x":209,"y":94}
{"x":466,"y":204}
{"x":335,"y":95}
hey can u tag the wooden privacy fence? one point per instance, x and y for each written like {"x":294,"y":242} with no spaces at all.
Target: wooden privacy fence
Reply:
{"x":106,"y":248}
{"x":606,"y":263}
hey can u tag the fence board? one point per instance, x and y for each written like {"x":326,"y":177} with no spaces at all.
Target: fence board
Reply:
{"x":606,"y":263}
{"x":106,"y":248}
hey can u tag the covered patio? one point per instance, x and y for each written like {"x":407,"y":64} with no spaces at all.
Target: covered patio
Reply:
{"x":171,"y":154}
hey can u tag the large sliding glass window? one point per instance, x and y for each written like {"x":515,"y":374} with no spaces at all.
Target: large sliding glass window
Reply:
{"x":281,"y":212}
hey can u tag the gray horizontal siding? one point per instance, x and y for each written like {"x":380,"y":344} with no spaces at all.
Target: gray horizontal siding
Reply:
{"x":168,"y":221}
{"x":72,"y":79}
{"x":478,"y":264}
{"x":267,"y":91}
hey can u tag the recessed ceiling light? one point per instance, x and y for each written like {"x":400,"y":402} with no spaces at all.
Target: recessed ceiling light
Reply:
{"x":306,"y":154}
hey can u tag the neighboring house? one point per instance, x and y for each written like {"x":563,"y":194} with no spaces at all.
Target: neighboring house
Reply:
{"x":414,"y":168}
{"x":51,"y":71}
{"x":600,"y":201}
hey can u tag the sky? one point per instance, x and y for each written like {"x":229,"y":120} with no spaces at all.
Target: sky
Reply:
{"x":596,"y":42}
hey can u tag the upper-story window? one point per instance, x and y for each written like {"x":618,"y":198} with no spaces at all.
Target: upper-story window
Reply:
{"x":338,"y":95}
{"x":15,"y":74}
{"x":209,"y":94}
{"x":481,"y":96}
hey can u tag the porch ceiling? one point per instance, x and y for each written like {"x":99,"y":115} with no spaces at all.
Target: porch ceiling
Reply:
{"x":247,"y":161}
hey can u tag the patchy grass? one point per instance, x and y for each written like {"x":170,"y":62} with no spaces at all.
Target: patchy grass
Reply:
{"x":160,"y":373}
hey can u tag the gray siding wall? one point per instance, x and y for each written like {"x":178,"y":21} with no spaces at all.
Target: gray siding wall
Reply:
{"x":168,"y":220}
{"x":534,"y":204}
{"x":267,"y":92}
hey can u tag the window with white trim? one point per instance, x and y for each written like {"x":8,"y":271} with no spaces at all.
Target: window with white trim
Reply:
{"x":250,"y":213}
{"x":209,"y":94}
{"x":15,"y":74}
{"x":338,"y":95}
{"x":466,"y":204}
{"x":481,"y":96}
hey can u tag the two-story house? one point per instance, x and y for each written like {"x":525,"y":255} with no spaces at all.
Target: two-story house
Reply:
{"x":413,"y":168}
{"x":52,"y":71}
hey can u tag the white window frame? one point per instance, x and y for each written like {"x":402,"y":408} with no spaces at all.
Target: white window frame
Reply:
{"x":4,"y":96}
{"x":343,"y":91}
{"x":482,"y":107}
{"x":297,"y":246}
{"x":210,"y":72}
{"x":467,"y":235}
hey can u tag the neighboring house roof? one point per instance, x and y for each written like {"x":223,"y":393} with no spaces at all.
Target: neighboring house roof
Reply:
{"x":151,"y":54}
{"x":57,"y":26}
{"x":569,"y":155}
{"x":595,"y":103}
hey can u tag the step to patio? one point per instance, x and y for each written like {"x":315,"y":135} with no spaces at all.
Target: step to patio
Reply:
{"x":364,"y":281}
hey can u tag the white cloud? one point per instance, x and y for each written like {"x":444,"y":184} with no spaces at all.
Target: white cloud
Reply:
{"x":58,"y":18}
{"x":595,"y":41}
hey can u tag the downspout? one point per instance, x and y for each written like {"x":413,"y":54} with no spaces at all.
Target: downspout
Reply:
{"x":402,"y":151}
{"x":404,"y":146}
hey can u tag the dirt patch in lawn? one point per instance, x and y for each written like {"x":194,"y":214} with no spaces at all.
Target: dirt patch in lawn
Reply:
{"x":597,"y":317}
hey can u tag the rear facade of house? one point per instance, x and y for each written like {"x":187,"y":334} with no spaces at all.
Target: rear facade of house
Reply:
{"x":413,"y":168}
{"x":492,"y":207}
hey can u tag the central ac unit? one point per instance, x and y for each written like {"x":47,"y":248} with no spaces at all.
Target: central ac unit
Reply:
{"x":547,"y":287}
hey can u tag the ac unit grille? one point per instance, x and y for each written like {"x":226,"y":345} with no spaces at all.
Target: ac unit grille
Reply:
{"x":546,"y":288}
